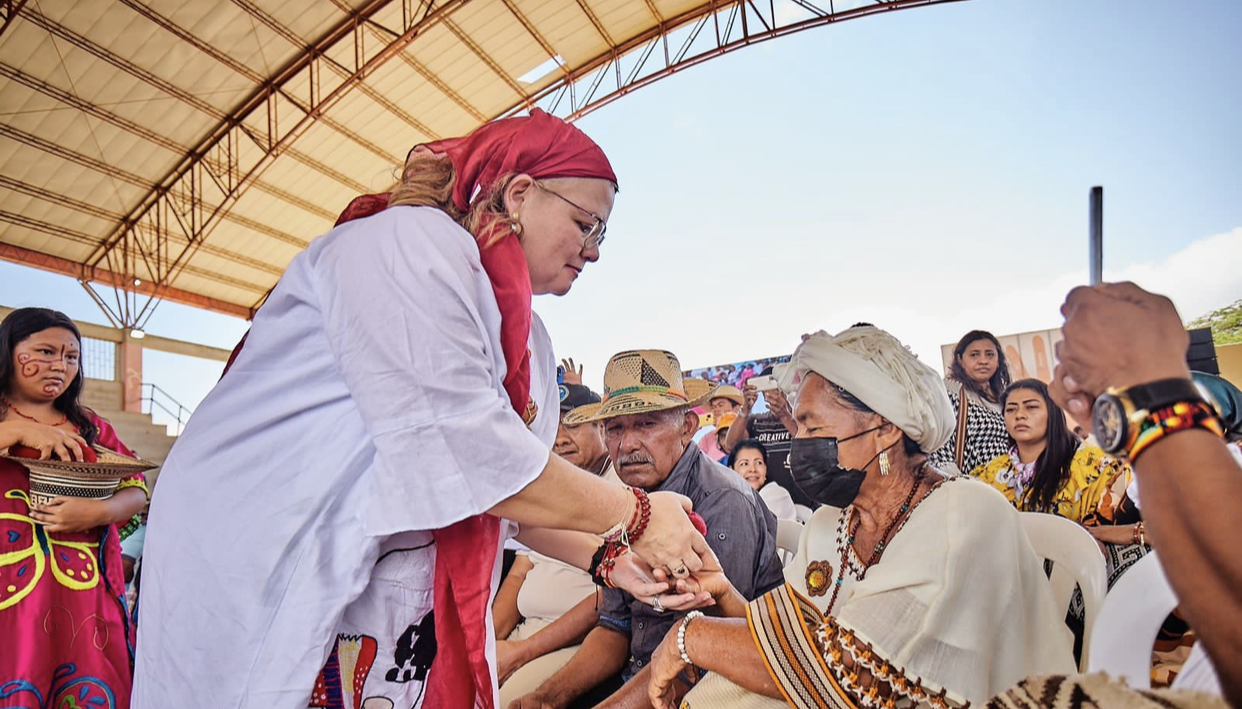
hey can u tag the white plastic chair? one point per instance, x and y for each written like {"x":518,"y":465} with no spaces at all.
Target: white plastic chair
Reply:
{"x":1129,"y":621}
{"x":788,"y":533}
{"x":803,"y":513}
{"x":1076,"y":559}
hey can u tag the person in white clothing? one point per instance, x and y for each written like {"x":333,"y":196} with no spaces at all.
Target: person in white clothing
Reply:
{"x":750,"y":460}
{"x":352,"y":470}
{"x":895,"y":597}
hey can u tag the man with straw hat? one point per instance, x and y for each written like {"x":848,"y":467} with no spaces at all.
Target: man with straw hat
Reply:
{"x":649,"y":426}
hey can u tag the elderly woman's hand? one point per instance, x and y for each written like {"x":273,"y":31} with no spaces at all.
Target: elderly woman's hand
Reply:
{"x":670,"y":540}
{"x":665,"y":666}
{"x":707,"y":586}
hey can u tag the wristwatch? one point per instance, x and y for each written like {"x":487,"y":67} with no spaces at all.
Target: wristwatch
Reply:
{"x":1119,"y":414}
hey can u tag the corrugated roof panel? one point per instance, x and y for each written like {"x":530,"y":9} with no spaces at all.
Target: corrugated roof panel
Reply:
{"x":309,"y":20}
{"x":373,"y":122}
{"x":107,"y":193}
{"x":302,"y":183}
{"x":247,"y":42}
{"x":670,"y":9}
{"x":52,"y":172}
{"x":624,"y":19}
{"x":420,"y":98}
{"x":568,"y":30}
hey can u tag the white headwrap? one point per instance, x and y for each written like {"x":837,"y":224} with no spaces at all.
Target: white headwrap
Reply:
{"x":882,"y":373}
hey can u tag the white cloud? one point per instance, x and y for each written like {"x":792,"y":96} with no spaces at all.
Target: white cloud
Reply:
{"x":1203,"y":276}
{"x":608,"y":317}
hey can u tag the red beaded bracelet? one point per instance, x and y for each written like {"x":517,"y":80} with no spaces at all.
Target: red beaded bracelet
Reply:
{"x":639,"y":524}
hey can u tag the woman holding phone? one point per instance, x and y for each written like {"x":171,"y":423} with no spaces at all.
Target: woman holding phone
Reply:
{"x":774,"y":429}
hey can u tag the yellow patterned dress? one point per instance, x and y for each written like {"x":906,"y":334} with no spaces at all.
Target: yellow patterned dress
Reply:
{"x":1089,"y":497}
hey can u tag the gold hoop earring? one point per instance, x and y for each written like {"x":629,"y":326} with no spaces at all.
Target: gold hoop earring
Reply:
{"x":885,"y":467}
{"x":515,"y":225}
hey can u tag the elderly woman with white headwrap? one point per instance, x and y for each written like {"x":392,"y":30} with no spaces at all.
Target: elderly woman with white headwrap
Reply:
{"x":909,"y":588}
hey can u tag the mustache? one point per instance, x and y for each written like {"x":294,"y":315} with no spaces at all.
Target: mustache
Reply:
{"x":635,"y":459}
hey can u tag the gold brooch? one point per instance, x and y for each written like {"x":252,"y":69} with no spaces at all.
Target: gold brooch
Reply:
{"x":818,"y":577}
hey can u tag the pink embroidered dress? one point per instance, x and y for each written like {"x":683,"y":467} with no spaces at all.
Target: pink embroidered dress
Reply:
{"x":65,"y":635}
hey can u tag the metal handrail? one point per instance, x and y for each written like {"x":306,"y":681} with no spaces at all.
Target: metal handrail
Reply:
{"x":181,"y":415}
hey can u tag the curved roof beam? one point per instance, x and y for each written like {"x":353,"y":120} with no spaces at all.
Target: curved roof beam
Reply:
{"x":156,"y":240}
{"x":735,"y":24}
{"x":203,"y":188}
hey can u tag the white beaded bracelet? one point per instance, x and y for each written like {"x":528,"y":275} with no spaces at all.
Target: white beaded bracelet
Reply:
{"x":681,"y":635}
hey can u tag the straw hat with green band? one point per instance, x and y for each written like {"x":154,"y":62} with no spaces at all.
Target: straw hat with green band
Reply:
{"x":642,"y":382}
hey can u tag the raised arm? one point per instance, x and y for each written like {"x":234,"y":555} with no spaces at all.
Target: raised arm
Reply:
{"x":1118,"y":335}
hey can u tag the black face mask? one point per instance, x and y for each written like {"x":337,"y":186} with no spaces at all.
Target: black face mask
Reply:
{"x":817,"y":470}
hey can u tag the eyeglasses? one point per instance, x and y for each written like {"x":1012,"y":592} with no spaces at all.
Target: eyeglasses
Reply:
{"x":595,"y":236}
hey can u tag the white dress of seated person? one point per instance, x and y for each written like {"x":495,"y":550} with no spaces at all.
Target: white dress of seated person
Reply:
{"x":549,"y":590}
{"x":281,"y":537}
{"x":778,"y":500}
{"x":1198,"y":673}
{"x":958,"y":601}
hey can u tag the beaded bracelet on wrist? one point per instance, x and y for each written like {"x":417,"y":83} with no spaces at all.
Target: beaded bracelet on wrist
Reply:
{"x":1181,"y":416}
{"x":597,"y":560}
{"x":608,"y":564}
{"x":681,"y":635}
{"x":639,"y":525}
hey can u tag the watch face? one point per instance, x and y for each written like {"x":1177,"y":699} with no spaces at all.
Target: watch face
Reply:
{"x":1108,"y":418}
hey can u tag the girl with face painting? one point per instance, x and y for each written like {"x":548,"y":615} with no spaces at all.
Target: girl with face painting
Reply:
{"x":62,"y":615}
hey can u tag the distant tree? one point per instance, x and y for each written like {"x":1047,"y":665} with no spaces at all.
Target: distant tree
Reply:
{"x":1226,"y":324}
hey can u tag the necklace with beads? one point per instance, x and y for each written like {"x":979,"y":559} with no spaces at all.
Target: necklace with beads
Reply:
{"x":852,"y":522}
{"x":64,"y":418}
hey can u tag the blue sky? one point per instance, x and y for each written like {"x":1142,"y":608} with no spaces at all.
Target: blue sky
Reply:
{"x":926,"y":170}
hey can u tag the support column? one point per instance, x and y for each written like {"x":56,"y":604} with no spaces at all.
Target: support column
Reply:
{"x":129,"y":367}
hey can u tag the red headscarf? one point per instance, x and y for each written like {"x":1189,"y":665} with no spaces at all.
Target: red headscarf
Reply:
{"x":541,"y":146}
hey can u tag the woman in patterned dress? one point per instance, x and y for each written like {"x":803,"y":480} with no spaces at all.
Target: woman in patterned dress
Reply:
{"x":1047,"y":468}
{"x":977,"y":378}
{"x":67,"y":637}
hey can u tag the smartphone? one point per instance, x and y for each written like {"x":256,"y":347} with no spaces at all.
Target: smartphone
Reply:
{"x":560,"y":374}
{"x":763,"y":383}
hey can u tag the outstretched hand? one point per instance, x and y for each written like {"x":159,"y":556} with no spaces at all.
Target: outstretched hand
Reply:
{"x":670,"y":541}
{"x":573,"y":375}
{"x":669,"y":677}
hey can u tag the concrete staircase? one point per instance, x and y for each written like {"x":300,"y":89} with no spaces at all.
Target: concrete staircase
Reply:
{"x":149,"y":440}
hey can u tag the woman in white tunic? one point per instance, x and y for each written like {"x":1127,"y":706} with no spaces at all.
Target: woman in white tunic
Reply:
{"x":338,"y":476}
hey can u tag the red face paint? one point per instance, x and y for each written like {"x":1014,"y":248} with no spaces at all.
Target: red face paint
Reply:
{"x":47,"y":363}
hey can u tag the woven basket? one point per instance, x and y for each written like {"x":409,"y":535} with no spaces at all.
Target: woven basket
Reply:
{"x":93,"y":481}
